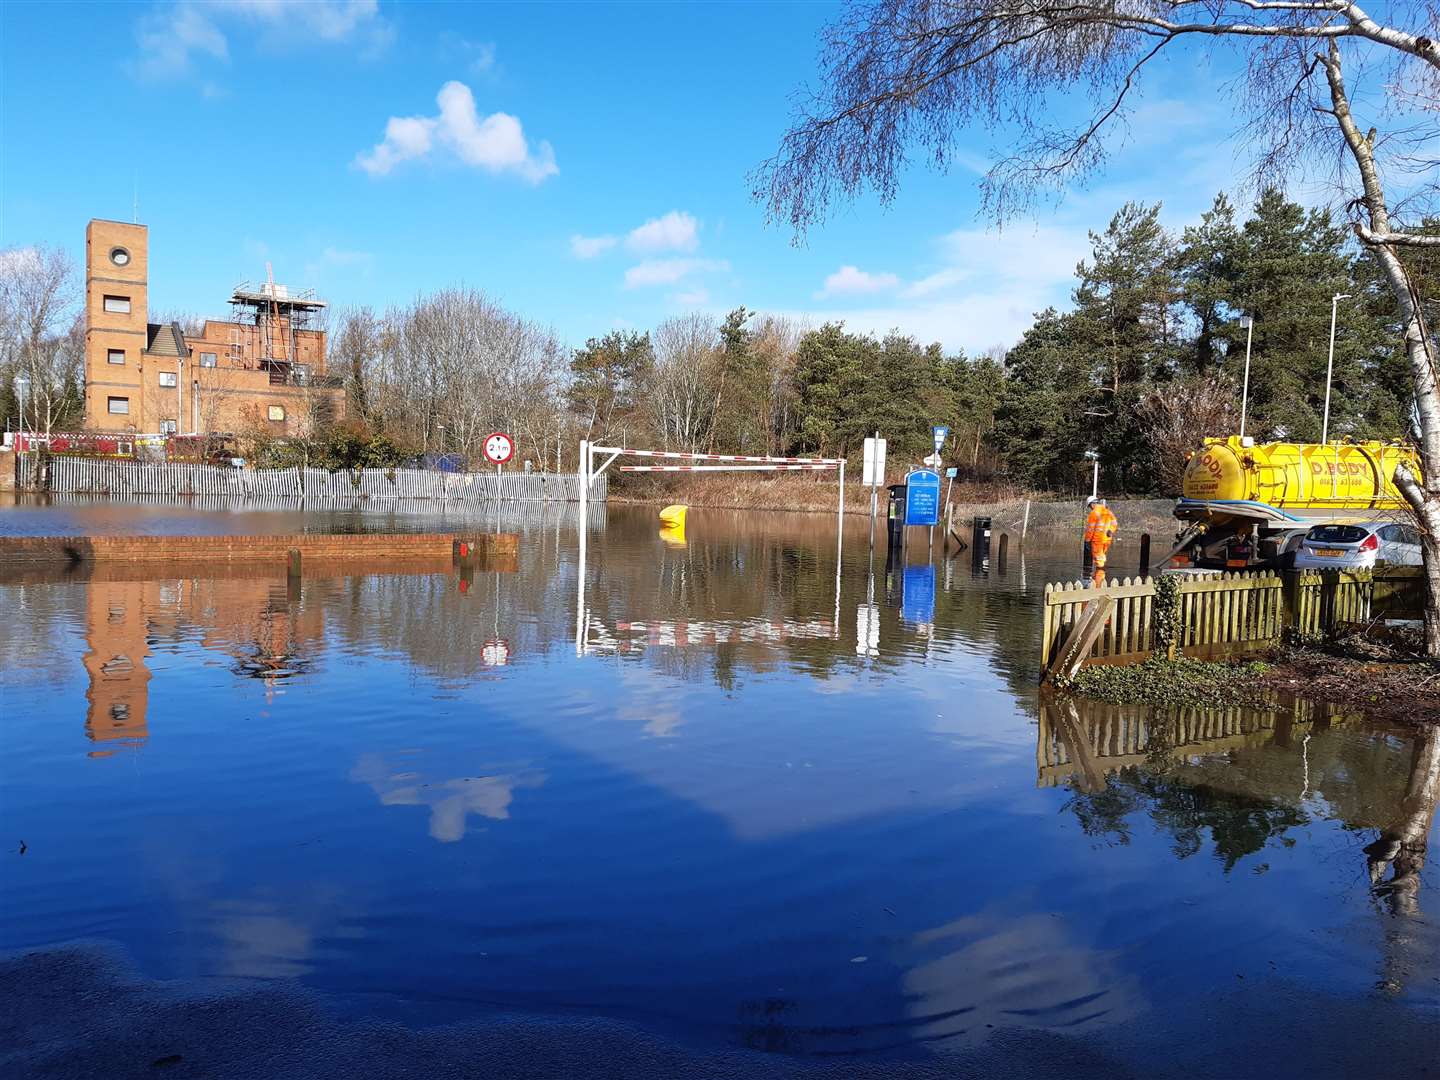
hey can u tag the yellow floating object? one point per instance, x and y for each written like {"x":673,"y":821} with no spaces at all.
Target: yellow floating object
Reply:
{"x":1299,"y":476}
{"x":674,"y":535}
{"x":674,"y":514}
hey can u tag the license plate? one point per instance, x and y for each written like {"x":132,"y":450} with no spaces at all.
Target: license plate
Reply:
{"x":1332,"y":553}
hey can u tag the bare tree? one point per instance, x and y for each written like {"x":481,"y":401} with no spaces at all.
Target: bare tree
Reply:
{"x":455,"y":366}
{"x":40,"y":335}
{"x":1176,"y":417}
{"x":355,"y":349}
{"x":682,"y":390}
{"x":904,"y":74}
{"x":776,"y":340}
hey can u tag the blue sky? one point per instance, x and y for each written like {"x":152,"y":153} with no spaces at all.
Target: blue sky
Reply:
{"x":585,"y":164}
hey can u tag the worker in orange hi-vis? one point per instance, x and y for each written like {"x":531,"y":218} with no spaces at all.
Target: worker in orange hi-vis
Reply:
{"x":1100,"y":529}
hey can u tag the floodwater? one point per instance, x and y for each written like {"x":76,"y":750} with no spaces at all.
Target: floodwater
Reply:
{"x":727,"y":795}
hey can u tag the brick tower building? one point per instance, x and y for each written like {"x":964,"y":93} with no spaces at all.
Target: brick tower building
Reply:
{"x":264,"y":368}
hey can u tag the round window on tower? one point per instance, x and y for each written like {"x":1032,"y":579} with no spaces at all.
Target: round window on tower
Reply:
{"x":119,"y":256}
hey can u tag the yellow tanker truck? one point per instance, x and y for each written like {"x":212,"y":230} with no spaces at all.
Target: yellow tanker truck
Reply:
{"x":1249,"y":505}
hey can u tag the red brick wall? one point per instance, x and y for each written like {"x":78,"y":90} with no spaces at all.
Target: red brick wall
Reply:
{"x":190,"y":549}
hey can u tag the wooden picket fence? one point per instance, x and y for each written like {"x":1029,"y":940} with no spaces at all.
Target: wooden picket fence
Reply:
{"x":91,"y":476}
{"x":1228,"y":614}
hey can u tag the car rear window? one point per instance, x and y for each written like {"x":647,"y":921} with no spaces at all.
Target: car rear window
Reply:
{"x":1337,"y":534}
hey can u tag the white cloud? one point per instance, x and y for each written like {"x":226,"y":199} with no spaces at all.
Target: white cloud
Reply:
{"x":332,"y":258}
{"x":675,"y":231}
{"x":983,"y":288}
{"x":669,"y":271}
{"x":697,"y":297}
{"x":483,"y":60}
{"x":851,"y":280}
{"x":587,"y":247}
{"x":171,"y":37}
{"x":494,"y":143}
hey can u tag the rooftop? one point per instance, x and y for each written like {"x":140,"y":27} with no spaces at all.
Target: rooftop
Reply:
{"x":267,"y":292}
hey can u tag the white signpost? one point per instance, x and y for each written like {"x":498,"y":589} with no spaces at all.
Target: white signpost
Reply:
{"x":872,"y":475}
{"x":941,"y":433}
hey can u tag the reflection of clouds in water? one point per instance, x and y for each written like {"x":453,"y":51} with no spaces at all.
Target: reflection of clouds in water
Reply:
{"x":264,"y":938}
{"x":450,"y":801}
{"x":1020,"y":972}
{"x":651,"y":701}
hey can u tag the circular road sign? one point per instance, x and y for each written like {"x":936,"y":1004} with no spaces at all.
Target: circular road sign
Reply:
{"x":499,"y":448}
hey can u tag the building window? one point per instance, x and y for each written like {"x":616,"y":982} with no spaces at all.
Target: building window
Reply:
{"x":207,"y":359}
{"x":277,"y":412}
{"x":115,"y":356}
{"x":118,"y":406}
{"x":119,"y":256}
{"x":117,"y":305}
{"x":167,"y":378}
{"x":167,"y":427}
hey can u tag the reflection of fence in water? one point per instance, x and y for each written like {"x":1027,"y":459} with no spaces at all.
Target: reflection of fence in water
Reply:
{"x":518,"y":515}
{"x":1092,"y":738}
{"x":679,"y":634}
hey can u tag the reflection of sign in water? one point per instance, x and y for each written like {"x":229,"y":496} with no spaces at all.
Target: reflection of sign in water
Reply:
{"x":495,"y":653}
{"x":917,"y":601}
{"x":867,"y":630}
{"x":922,"y":497}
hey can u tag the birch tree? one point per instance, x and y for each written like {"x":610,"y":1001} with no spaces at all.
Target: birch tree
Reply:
{"x":40,"y":334}
{"x":901,"y":76}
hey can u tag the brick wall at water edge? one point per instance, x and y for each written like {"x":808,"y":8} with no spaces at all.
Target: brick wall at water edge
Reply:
{"x":327,"y":546}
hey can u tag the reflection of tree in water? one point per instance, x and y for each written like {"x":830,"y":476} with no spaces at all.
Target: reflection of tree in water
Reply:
{"x":1401,"y":845}
{"x":1239,"y":825}
{"x":1248,"y":778}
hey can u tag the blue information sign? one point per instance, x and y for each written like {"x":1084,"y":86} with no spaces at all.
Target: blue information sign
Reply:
{"x":922,"y":497}
{"x":917,"y":602}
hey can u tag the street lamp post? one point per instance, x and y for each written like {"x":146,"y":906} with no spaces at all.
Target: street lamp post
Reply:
{"x":1094,"y":456}
{"x":1330,"y":365}
{"x":22,"y":385}
{"x":1248,"y":322}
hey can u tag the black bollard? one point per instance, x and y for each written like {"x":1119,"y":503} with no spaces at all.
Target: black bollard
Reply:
{"x":292,"y":575}
{"x":1144,"y":555}
{"x":980,"y":538}
{"x":1004,"y":551}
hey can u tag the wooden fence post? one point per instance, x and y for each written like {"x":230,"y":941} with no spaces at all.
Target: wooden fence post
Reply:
{"x":1083,"y":635}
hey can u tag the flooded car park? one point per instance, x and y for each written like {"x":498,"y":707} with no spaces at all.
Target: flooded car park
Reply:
{"x":733,"y":795}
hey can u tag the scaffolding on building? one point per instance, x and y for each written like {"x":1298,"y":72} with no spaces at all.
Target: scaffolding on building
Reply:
{"x":277,"y":314}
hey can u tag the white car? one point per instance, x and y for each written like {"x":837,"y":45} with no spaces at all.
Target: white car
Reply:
{"x":1358,"y":546}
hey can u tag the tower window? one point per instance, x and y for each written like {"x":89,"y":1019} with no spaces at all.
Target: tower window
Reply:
{"x":117,"y":305}
{"x":119,"y":256}
{"x":207,"y":359}
{"x":167,"y":427}
{"x":118,"y":406}
{"x":167,"y":378}
{"x":115,"y":356}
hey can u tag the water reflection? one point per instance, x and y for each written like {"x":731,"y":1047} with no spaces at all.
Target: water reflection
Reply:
{"x":450,"y":801}
{"x":1241,"y":780}
{"x":737,"y":813}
